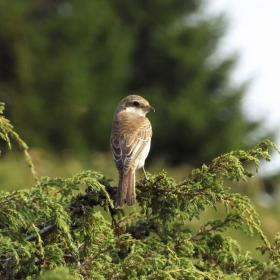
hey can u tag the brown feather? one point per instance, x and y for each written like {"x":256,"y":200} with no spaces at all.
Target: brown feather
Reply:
{"x":126,"y":189}
{"x":130,"y":195}
{"x":121,"y":192}
{"x":130,"y":134}
{"x":130,"y":140}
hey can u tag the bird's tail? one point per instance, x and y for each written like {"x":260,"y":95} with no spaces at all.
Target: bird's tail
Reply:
{"x":126,"y":189}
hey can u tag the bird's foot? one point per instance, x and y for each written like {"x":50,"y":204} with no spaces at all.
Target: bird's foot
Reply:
{"x":146,"y":180}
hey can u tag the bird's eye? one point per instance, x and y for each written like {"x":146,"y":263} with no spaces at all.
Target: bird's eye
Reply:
{"x":136,"y":103}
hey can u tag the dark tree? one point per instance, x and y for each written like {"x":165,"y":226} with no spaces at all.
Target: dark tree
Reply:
{"x":66,"y":65}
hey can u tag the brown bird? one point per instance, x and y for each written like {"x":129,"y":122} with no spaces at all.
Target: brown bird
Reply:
{"x":130,"y":144}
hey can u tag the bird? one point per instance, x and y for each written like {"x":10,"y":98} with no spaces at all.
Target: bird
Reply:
{"x":130,"y":144}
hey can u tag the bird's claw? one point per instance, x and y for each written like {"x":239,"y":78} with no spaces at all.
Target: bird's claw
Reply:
{"x":146,"y":180}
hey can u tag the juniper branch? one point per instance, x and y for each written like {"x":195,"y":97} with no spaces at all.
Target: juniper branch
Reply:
{"x":88,"y":261}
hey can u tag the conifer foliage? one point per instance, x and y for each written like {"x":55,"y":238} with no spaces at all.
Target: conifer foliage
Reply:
{"x":55,"y":230}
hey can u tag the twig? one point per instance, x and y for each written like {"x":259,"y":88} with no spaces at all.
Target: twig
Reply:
{"x":76,"y":259}
{"x":95,"y":257}
{"x":23,"y":145}
{"x":41,"y":232}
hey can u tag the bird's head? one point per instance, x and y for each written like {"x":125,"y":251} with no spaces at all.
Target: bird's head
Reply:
{"x":136,"y":104}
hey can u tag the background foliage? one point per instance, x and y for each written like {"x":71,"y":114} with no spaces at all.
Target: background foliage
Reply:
{"x":57,"y":231}
{"x":65,"y":65}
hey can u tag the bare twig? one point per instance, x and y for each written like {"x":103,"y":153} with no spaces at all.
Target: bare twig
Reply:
{"x":95,"y":257}
{"x":41,"y":232}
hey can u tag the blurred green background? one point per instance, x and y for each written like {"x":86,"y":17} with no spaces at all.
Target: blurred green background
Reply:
{"x":65,"y":65}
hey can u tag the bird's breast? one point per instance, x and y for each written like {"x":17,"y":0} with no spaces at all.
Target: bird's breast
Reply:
{"x":142,"y":157}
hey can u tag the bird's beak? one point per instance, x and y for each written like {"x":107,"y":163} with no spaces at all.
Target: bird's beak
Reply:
{"x":150,"y":109}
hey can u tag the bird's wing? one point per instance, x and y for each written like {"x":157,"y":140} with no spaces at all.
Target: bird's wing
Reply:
{"x":128,"y":145}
